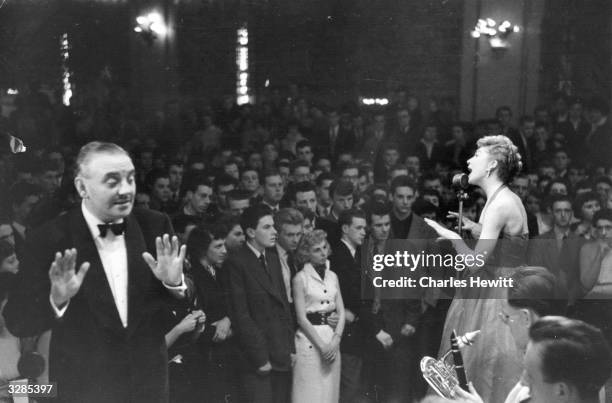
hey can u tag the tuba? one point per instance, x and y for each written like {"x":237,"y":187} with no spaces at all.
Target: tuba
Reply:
{"x":443,"y":376}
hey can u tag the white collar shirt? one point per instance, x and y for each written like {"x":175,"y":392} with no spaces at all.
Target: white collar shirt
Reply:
{"x":283,"y":256}
{"x":113,"y":255}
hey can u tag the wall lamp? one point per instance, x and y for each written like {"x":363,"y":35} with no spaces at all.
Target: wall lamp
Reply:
{"x":150,"y":27}
{"x":497,"y":34}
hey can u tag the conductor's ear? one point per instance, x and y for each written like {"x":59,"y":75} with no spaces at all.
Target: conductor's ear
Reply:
{"x":80,"y":186}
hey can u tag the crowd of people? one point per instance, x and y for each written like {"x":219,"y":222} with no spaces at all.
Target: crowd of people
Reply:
{"x":281,"y":207}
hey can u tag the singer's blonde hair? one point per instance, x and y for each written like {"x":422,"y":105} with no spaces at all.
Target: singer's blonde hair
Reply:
{"x":505,"y":153}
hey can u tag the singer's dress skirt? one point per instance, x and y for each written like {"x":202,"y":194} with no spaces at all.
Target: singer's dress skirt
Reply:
{"x":492,"y":363}
{"x":314,"y":380}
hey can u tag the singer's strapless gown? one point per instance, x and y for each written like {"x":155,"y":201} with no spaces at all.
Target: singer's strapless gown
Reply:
{"x":493,"y":363}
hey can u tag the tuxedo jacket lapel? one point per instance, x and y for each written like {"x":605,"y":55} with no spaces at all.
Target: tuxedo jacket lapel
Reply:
{"x":139,"y":274}
{"x":95,"y":286}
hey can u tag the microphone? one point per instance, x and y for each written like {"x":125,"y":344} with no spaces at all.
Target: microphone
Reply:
{"x":460,"y":181}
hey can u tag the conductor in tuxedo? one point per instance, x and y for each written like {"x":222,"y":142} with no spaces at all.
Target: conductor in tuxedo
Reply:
{"x":259,"y":310}
{"x":89,"y":275}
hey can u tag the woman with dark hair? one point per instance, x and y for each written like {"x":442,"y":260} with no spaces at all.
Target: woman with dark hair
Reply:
{"x":502,"y":233}
{"x":316,"y":295}
{"x":206,"y":252}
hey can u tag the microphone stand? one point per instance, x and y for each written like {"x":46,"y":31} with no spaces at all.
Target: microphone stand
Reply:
{"x":461,"y":196}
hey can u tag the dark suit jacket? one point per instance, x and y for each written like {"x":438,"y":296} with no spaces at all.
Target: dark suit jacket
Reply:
{"x":212,"y":296}
{"x":404,"y":306}
{"x":437,"y":155}
{"x":349,"y":271}
{"x":93,"y":358}
{"x":564,"y":263}
{"x":19,"y":243}
{"x":259,"y":310}
{"x":599,"y":144}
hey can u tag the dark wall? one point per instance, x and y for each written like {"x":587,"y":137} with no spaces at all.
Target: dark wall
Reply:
{"x":576,"y":46}
{"x":338,"y":48}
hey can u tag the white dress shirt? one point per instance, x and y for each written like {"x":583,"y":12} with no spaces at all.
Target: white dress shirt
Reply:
{"x":113,"y":255}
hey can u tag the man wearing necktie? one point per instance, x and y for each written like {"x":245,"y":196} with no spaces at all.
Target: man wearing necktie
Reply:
{"x":289,"y":225}
{"x":559,"y":250}
{"x":260,"y":311}
{"x":90,"y":277}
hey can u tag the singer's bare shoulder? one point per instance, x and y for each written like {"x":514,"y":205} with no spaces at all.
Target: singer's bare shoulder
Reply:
{"x":507,"y":207}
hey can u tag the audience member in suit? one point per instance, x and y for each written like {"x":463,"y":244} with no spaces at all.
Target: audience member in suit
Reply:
{"x":259,"y":310}
{"x":576,"y":129}
{"x":334,"y":137}
{"x":216,"y":371}
{"x":198,"y":200}
{"x":23,"y":197}
{"x":503,"y":114}
{"x":288,"y":223}
{"x":390,"y":158}
{"x":273,"y":190}
{"x":378,"y":349}
{"x":458,"y":150}
{"x":305,"y":195}
{"x":559,"y":251}
{"x":376,"y":133}
{"x":524,"y":138}
{"x":405,"y":131}
{"x":599,"y":140}
{"x":428,"y":149}
{"x":347,"y":263}
{"x":324,"y":199}
{"x":158,"y":185}
{"x":47,"y":174}
{"x":106,"y":316}
{"x":414,"y":318}
{"x":341,"y":192}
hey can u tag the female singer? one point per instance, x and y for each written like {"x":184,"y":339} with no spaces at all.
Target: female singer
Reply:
{"x":492,"y":364}
{"x":316,"y":294}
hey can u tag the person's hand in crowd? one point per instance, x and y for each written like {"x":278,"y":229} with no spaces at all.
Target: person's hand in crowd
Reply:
{"x":168,"y":267}
{"x":189,"y":323}
{"x":265,"y":369}
{"x":349,"y":316}
{"x":462,"y":396}
{"x":442,"y":231}
{"x":65,"y":281}
{"x":333,"y":319}
{"x":330,"y":350}
{"x":222,"y":331}
{"x":407,"y":330}
{"x":468,"y":225}
{"x":201,"y":320}
{"x":385,"y":339}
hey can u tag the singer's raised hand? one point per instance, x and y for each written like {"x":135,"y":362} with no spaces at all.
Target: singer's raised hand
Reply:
{"x":168,"y":267}
{"x":468,"y":225}
{"x":65,"y":281}
{"x":442,"y":231}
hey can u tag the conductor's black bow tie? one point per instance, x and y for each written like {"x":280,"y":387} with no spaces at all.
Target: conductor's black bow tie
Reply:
{"x":118,"y":229}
